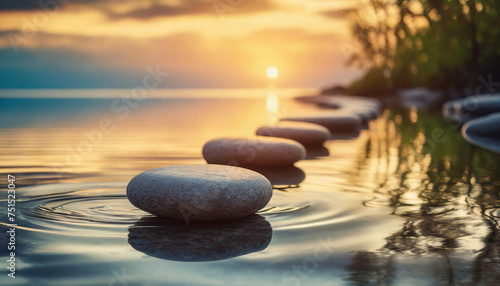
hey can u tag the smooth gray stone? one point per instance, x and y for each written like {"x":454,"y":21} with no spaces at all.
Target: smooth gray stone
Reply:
{"x":320,"y":100}
{"x":365,"y":114}
{"x":369,"y":111}
{"x":306,"y":134}
{"x":258,"y":151}
{"x":463,"y":110}
{"x":484,"y":132}
{"x":336,"y":122}
{"x":477,"y":106}
{"x":200,"y":192}
{"x":421,"y":98}
{"x":340,"y":100}
{"x":200,"y":241}
{"x":364,"y":107}
{"x":282,"y":176}
{"x":316,"y":152}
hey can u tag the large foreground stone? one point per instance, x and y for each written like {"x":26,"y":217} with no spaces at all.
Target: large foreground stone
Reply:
{"x":484,"y":132}
{"x":259,"y":151}
{"x":200,"y":192}
{"x":306,"y":134}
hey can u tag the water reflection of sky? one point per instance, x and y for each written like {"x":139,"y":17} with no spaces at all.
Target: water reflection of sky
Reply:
{"x":395,"y":205}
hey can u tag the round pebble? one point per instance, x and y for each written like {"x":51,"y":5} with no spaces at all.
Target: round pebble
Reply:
{"x":200,"y":192}
{"x":342,"y":101}
{"x":306,"y":134}
{"x":259,"y":151}
{"x":462,"y":110}
{"x":283,"y":176}
{"x":336,"y":122}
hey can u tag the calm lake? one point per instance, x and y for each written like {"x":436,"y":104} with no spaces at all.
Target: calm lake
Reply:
{"x":407,"y":202}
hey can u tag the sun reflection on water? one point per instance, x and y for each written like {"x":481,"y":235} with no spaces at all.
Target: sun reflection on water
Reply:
{"x":381,"y":198}
{"x":272,"y":106}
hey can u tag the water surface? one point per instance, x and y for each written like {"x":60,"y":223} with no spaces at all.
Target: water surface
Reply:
{"x":407,"y":202}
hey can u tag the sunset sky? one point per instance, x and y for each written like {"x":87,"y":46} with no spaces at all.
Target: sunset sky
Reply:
{"x":201,"y":43}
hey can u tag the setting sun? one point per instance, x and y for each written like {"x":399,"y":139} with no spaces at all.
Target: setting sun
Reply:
{"x":272,"y":72}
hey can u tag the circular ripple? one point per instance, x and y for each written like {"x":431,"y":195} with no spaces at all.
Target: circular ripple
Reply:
{"x":102,"y":209}
{"x":78,"y":209}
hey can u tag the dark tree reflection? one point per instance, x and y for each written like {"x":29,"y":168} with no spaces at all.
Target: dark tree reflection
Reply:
{"x":448,"y":192}
{"x":368,"y":268}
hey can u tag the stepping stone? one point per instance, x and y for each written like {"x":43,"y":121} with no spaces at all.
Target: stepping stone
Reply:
{"x":463,"y":110}
{"x":421,"y":98}
{"x":282,"y":176}
{"x":306,"y":134}
{"x":343,"y":101}
{"x":364,"y":114}
{"x":258,"y":151}
{"x":336,"y":122}
{"x":316,"y":152}
{"x":484,"y":132}
{"x":370,"y":111}
{"x":200,"y":192}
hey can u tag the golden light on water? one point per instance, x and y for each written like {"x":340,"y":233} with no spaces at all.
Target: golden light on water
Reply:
{"x":272,"y":72}
{"x":413,"y":114}
{"x":272,"y":103}
{"x":272,"y":106}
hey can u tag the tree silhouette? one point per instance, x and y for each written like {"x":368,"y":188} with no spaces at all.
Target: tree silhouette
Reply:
{"x":439,"y":44}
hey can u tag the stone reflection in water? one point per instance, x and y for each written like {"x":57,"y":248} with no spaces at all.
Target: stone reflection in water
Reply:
{"x":282,"y":177}
{"x":447,"y":190}
{"x":200,"y":241}
{"x":316,"y":152}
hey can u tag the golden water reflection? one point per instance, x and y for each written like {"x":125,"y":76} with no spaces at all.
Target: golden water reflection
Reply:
{"x":403,"y":198}
{"x":447,"y":191}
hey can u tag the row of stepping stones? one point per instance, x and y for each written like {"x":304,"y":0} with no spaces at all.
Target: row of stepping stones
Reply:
{"x":226,"y":188}
{"x":480,"y":116}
